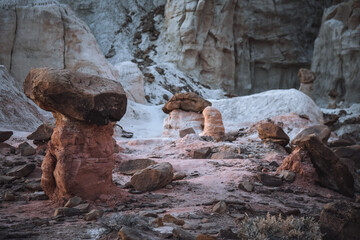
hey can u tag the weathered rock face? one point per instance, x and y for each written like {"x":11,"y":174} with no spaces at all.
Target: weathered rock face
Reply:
{"x":46,"y":34}
{"x":332,"y":173}
{"x":213,"y":124}
{"x":16,"y":110}
{"x":79,"y":159}
{"x":186,"y":102}
{"x":269,"y":132}
{"x":243,"y":43}
{"x":336,"y":60}
{"x":77,"y":95}
{"x":340,"y":220}
{"x":179,"y":120}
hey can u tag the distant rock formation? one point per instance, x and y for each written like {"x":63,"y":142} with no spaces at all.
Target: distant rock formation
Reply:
{"x":79,"y":159}
{"x":336,"y":58}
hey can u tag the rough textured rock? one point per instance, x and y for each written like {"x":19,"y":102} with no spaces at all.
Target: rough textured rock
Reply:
{"x":237,"y":41}
{"x":21,"y":171}
{"x":307,"y":79}
{"x":79,"y":159}
{"x":320,"y":131}
{"x":186,"y":102}
{"x":269,"y":180}
{"x":26,"y":149}
{"x":186,"y":131}
{"x":299,"y":162}
{"x":332,"y":173}
{"x":80,"y":96}
{"x":269,"y":132}
{"x":219,"y":207}
{"x":213,"y":124}
{"x":16,"y":110}
{"x":152,"y":177}
{"x":179,"y":120}
{"x":42,"y":134}
{"x":129,"y":167}
{"x":132,"y":79}
{"x":201,"y":153}
{"x":5,"y":135}
{"x":337,"y":45}
{"x":48,"y":34}
{"x":73,"y":202}
{"x":340,"y":220}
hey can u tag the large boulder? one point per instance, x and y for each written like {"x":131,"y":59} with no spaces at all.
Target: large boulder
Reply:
{"x":79,"y":159}
{"x":153,"y":177}
{"x":340,"y":220}
{"x":336,"y":45}
{"x":332,"y":173}
{"x":80,"y":96}
{"x":320,"y":131}
{"x":187,"y":102}
{"x":269,"y":132}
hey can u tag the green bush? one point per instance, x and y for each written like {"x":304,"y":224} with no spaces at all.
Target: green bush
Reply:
{"x":278,"y":228}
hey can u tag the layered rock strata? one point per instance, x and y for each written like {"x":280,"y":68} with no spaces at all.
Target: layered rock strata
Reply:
{"x":79,"y":159}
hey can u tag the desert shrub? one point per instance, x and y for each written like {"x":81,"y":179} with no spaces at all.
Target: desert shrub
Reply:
{"x":279,"y":228}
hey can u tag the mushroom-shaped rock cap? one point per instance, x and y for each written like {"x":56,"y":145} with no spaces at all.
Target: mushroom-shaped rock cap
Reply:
{"x":186,"y":101}
{"x":81,"y":96}
{"x":306,"y":76}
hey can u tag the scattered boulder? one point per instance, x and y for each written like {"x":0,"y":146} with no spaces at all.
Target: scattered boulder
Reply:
{"x":179,"y":176}
{"x":7,"y":149}
{"x":6,"y":179}
{"x":320,"y":131}
{"x":9,"y":196}
{"x":219,"y":207}
{"x":153,"y":177}
{"x":67,"y":212}
{"x":201,"y":153}
{"x":80,"y":96}
{"x":83,"y":207}
{"x":34,"y":185}
{"x":213,"y":124}
{"x":186,"y":101}
{"x":186,"y":131}
{"x":269,"y":180}
{"x":21,"y":171}
{"x":269,"y":132}
{"x":79,"y":160}
{"x":42,"y":134}
{"x":127,"y":233}
{"x":288,"y":176}
{"x":171,"y":219}
{"x":26,"y":149}
{"x":332,"y":173}
{"x":130,"y":167}
{"x":340,"y":220}
{"x":178,"y":233}
{"x":246,"y":185}
{"x":5,"y":135}
{"x":93,"y":215}
{"x":73,"y":202}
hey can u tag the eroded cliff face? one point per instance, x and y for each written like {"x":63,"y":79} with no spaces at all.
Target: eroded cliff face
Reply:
{"x":47,"y":34}
{"x":242,"y":46}
{"x":336,"y":58}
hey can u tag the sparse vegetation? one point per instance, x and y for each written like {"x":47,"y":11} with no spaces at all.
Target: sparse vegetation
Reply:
{"x":279,"y":228}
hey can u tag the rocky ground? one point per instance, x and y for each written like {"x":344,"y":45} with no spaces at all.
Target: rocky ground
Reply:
{"x":215,"y":185}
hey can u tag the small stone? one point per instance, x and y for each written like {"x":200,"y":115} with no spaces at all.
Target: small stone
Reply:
{"x":93,"y":215}
{"x":171,"y":219}
{"x":179,"y":176}
{"x":38,"y":196}
{"x":130,"y":167}
{"x":287,"y":175}
{"x":72,"y":202}
{"x":26,"y":149}
{"x":269,"y":180}
{"x":42,"y":133}
{"x":273,"y":133}
{"x":6,"y":179}
{"x":34,"y":186}
{"x":202,"y":153}
{"x":169,"y":186}
{"x":65,"y":211}
{"x":21,"y":171}
{"x":205,"y":237}
{"x":191,"y":226}
{"x":5,"y":135}
{"x":181,"y":234}
{"x":83,"y":207}
{"x":227,"y":234}
{"x":127,"y":233}
{"x":128,"y":185}
{"x":158,"y":222}
{"x":9,"y":196}
{"x":186,"y":131}
{"x":219,"y":207}
{"x":246,"y":186}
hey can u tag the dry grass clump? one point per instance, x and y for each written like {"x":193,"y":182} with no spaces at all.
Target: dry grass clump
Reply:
{"x":279,"y":228}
